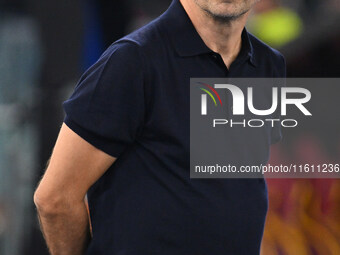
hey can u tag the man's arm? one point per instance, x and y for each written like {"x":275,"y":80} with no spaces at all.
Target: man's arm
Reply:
{"x":75,"y":165}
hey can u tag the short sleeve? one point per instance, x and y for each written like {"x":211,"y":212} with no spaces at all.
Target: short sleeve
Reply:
{"x":107,"y":106}
{"x":276,"y":134}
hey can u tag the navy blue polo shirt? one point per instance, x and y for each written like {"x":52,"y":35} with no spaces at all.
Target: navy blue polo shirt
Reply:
{"x":134,"y":105}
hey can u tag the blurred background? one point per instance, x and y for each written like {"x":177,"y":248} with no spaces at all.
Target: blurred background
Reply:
{"x":45,"y":46}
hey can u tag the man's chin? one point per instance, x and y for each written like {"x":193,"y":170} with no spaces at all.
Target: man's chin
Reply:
{"x":229,"y":10}
{"x":224,"y":15}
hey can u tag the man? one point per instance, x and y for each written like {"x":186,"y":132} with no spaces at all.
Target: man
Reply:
{"x":125,"y":143}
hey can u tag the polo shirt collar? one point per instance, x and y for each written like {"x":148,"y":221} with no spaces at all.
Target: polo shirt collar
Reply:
{"x":186,"y":39}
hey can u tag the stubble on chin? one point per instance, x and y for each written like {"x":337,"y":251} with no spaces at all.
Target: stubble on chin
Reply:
{"x":225,"y":17}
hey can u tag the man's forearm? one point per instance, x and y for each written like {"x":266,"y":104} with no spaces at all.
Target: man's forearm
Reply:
{"x":66,"y":230}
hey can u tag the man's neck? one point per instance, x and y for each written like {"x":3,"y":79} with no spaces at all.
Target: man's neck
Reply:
{"x":223,"y":37}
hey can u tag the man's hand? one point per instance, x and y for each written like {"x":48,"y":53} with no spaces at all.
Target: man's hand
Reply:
{"x":75,"y":165}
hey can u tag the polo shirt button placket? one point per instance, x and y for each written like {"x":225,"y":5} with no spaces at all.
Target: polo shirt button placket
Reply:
{"x":219,"y":59}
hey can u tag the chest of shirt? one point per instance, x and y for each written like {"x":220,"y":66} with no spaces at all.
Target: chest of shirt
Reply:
{"x":167,"y":94}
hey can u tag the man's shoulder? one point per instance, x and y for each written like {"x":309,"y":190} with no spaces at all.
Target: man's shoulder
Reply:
{"x":146,"y":39}
{"x":263,"y":49}
{"x":135,"y":48}
{"x":268,"y":57}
